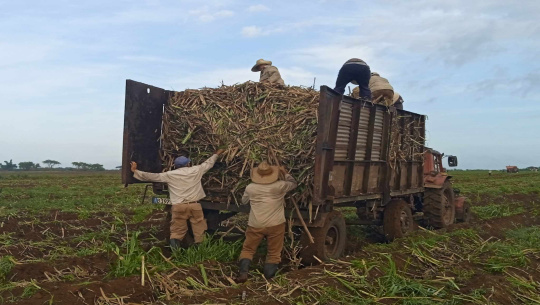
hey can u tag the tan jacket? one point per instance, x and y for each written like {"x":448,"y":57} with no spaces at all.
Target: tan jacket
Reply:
{"x":184,"y":183}
{"x":271,"y":75}
{"x":267,"y":202}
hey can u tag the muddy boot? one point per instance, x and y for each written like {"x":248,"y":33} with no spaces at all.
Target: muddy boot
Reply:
{"x":174,"y":243}
{"x":270,"y":270}
{"x":243,"y":270}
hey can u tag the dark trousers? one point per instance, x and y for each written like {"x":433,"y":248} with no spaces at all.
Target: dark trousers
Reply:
{"x":359,"y":73}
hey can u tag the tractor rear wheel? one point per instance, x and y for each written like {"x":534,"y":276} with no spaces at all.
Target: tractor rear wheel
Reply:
{"x":439,"y":207}
{"x":397,"y":220}
{"x":330,"y":240}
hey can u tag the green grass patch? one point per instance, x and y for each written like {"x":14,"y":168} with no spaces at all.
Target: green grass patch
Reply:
{"x":514,"y":251}
{"x":6,"y":264}
{"x":497,"y":210}
{"x":209,"y":250}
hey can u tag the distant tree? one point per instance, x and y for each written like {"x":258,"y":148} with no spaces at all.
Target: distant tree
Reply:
{"x":9,"y":165}
{"x":26,"y":165}
{"x":119,"y":167}
{"x":51,"y":163}
{"x":97,"y":167}
{"x":36,"y":165}
{"x":77,"y":164}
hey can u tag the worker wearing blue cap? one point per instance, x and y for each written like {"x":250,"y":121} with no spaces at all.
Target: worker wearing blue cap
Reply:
{"x":185,"y":190}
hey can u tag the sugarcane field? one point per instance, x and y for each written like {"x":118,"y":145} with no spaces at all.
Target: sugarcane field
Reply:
{"x":232,"y":152}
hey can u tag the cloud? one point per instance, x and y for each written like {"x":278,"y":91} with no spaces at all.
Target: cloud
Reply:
{"x":252,"y":31}
{"x":258,"y":8}
{"x":523,"y":86}
{"x":208,"y":14}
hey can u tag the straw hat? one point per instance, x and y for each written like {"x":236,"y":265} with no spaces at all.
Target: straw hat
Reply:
{"x":256,"y":67}
{"x":396,"y":97}
{"x":264,"y":173}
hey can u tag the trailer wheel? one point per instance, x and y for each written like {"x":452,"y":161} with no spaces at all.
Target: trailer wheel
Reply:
{"x":397,"y":220}
{"x":330,"y":240}
{"x":465,"y":214}
{"x":439,"y":207}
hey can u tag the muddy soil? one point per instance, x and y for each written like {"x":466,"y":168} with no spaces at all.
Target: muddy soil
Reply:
{"x":82,"y":280}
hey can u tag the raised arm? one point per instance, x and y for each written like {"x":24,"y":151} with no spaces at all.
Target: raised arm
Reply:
{"x":208,"y":164}
{"x":289,"y":183}
{"x":145,"y":176}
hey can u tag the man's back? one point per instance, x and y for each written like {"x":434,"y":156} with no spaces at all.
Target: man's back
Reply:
{"x":267,"y":202}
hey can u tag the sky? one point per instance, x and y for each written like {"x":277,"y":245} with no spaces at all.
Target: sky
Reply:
{"x":473,"y":67}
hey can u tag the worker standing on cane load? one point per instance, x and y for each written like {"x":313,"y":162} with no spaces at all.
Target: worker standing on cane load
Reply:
{"x":185,"y":190}
{"x":381,"y":90}
{"x":354,"y":71}
{"x":266,"y":194}
{"x":269,"y":73}
{"x":397,"y":101}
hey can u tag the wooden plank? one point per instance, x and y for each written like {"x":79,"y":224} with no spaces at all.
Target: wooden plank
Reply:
{"x":351,"y":153}
{"x":398,"y":167}
{"x":387,"y":173}
{"x":423,"y":135}
{"x":369,"y":147}
{"x":409,"y":181}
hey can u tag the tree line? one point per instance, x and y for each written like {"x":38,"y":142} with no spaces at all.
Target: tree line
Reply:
{"x":50,"y":164}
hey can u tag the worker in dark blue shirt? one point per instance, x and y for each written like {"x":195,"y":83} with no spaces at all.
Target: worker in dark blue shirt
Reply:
{"x":354,"y":71}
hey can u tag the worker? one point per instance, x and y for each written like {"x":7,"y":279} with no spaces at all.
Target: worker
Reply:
{"x":381,"y":90}
{"x":269,"y":73}
{"x":185,"y":191}
{"x":354,"y":71}
{"x":397,"y":101}
{"x":266,"y":195}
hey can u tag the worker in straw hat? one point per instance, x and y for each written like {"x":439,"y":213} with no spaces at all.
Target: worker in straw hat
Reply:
{"x":266,"y":194}
{"x":397,"y":101}
{"x":185,"y":190}
{"x":354,"y":71}
{"x":269,"y":73}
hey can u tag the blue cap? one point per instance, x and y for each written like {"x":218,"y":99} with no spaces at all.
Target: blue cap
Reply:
{"x":181,"y":161}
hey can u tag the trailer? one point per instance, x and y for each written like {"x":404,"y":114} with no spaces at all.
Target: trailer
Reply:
{"x":355,"y":166}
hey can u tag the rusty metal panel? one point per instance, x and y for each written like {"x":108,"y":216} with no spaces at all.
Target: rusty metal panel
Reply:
{"x":142,"y":128}
{"x":344,"y":131}
{"x":337,"y":179}
{"x":377,"y":135}
{"x":328,"y":114}
{"x":362,"y":138}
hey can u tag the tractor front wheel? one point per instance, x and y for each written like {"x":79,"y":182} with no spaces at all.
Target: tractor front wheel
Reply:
{"x":464,"y":214}
{"x":439,"y":207}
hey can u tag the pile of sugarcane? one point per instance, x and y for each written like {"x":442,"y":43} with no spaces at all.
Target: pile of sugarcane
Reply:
{"x":255,"y":121}
{"x":406,"y":138}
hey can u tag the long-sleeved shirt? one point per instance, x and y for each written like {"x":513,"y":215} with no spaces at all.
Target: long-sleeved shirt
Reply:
{"x":184,"y":183}
{"x":267,"y":202}
{"x":271,"y":75}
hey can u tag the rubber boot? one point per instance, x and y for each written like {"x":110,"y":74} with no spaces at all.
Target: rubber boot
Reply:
{"x":243,"y":270}
{"x":174,"y":243}
{"x":270,"y":270}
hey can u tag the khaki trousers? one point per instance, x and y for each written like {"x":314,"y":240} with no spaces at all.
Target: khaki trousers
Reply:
{"x":275,"y":237}
{"x":180,"y":215}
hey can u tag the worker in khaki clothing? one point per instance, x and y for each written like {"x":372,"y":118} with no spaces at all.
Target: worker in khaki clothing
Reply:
{"x":266,"y":194}
{"x":185,"y":190}
{"x":269,"y":73}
